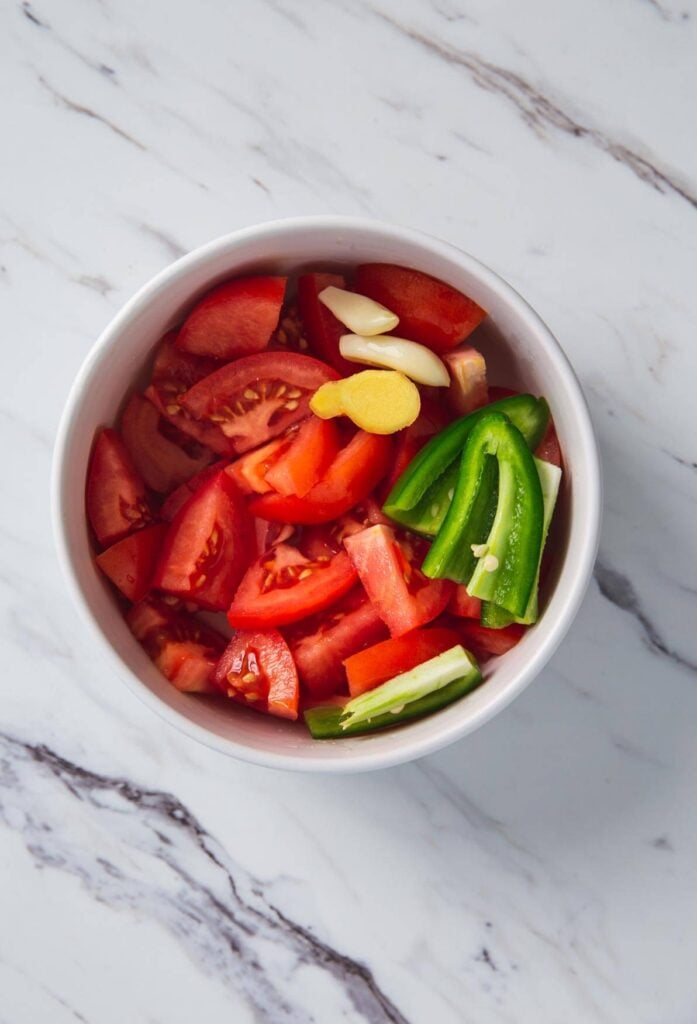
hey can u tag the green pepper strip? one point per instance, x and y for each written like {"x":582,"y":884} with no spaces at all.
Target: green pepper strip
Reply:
{"x":421,"y":497}
{"x":498,"y":618}
{"x":514,"y":538}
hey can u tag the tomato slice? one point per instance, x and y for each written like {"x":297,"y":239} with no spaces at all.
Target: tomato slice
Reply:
{"x":484,"y":642}
{"x":314,"y":446}
{"x":179,"y":497}
{"x":257,"y":669}
{"x":383,"y":661}
{"x":388,"y":569}
{"x":164,"y":456}
{"x":429,"y":310}
{"x":173,"y":373}
{"x":184,"y":649}
{"x":234,"y":319}
{"x":463,"y":605}
{"x":208,"y":546}
{"x":430,"y":421}
{"x":321,"y":644}
{"x":256,"y":398}
{"x":130,"y":563}
{"x":322,"y":328}
{"x":284,"y":586}
{"x":116,"y":498}
{"x":353,"y":474}
{"x":549,"y":449}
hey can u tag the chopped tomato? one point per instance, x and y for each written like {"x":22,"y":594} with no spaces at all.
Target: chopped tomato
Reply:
{"x":429,"y":311}
{"x":249,"y":471}
{"x":389,"y":570}
{"x":257,"y":669}
{"x":468,"y":382}
{"x":463,"y":605}
{"x":208,"y":546}
{"x":549,"y":449}
{"x":328,"y":538}
{"x":173,"y":373}
{"x":179,"y":497}
{"x":130,"y":563}
{"x":116,"y":498}
{"x":284,"y":586}
{"x":234,"y":319}
{"x":430,"y":421}
{"x":321,"y":644}
{"x":164,"y":456}
{"x":353,"y":474}
{"x":496,"y":393}
{"x":377,"y":664}
{"x":289,"y":336}
{"x":267,"y":534}
{"x":322,"y":328}
{"x":256,"y":398}
{"x":314,"y":446}
{"x":485,"y":642}
{"x":184,"y":649}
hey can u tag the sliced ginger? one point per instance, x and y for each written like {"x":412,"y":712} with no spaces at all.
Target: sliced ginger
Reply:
{"x":379,"y":401}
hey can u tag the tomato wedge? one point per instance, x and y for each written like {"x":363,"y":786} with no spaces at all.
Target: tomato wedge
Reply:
{"x":234,"y":319}
{"x":208,"y":546}
{"x":163,"y":456}
{"x":249,"y":471}
{"x":429,"y":310}
{"x":463,"y":605}
{"x":179,"y":497}
{"x":388,"y":569}
{"x":484,"y":642}
{"x":267,"y":534}
{"x":383,"y":661}
{"x":130,"y":563}
{"x":185,"y":650}
{"x":257,"y":669}
{"x":322,"y":328}
{"x":256,"y":398}
{"x":328,"y":539}
{"x":321,"y":644}
{"x":549,"y":449}
{"x":289,"y":336}
{"x":314,"y":446}
{"x":430,"y":421}
{"x":353,"y":474}
{"x":116,"y":498}
{"x":283,"y":587}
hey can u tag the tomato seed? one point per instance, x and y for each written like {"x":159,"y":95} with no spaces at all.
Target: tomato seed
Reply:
{"x":292,"y":405}
{"x":251,"y":395}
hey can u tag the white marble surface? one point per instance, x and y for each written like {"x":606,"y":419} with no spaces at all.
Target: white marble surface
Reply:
{"x":543,"y":869}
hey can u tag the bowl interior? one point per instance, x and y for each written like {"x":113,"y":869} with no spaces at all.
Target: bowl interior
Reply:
{"x":520,"y":352}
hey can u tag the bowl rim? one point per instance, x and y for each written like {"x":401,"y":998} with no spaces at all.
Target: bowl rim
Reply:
{"x":413,"y":747}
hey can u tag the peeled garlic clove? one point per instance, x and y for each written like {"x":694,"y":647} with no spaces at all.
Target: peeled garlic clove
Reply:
{"x":357,"y":312}
{"x":413,"y":360}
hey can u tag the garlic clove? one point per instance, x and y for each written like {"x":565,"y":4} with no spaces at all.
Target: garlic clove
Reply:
{"x":413,"y":360}
{"x":357,"y":312}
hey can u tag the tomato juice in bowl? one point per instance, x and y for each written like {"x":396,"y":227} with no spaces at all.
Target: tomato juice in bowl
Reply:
{"x":520,"y":353}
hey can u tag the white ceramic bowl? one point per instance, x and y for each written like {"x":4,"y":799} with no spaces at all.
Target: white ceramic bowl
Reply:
{"x":520,"y":351}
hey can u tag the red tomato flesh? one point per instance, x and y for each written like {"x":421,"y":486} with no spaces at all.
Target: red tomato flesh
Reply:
{"x":430,"y":421}
{"x":322,"y":328}
{"x":116,"y":498}
{"x":163,"y":461}
{"x":388,"y":659}
{"x":389,"y":570}
{"x":179,"y":497}
{"x":463,"y":605}
{"x":208,"y":546}
{"x":484,"y":642}
{"x":312,"y":449}
{"x":185,"y":650}
{"x":320,"y":645}
{"x":284,"y":586}
{"x":289,"y":336}
{"x":549,"y":449}
{"x":256,"y":398}
{"x":429,"y":311}
{"x":234,"y":319}
{"x":130,"y":563}
{"x":257,"y":669}
{"x":353,"y":474}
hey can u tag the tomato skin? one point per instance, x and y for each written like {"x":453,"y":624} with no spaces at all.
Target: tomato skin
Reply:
{"x":208,"y":546}
{"x":549,"y":449}
{"x":273,"y":594}
{"x":484,"y":642}
{"x":130,"y":562}
{"x":463,"y":605}
{"x":403,"y":597}
{"x":185,"y":650}
{"x":257,"y":670}
{"x":306,"y":459}
{"x":322,"y":328}
{"x":352,"y":476}
{"x":240,"y":400}
{"x":116,"y":497}
{"x":179,"y":497}
{"x":161,"y":462}
{"x":320,"y":645}
{"x":429,"y":311}
{"x":234,"y":319}
{"x":388,"y":659}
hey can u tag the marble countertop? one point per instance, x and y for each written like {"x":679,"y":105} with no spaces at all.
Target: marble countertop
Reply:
{"x":542,"y":869}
